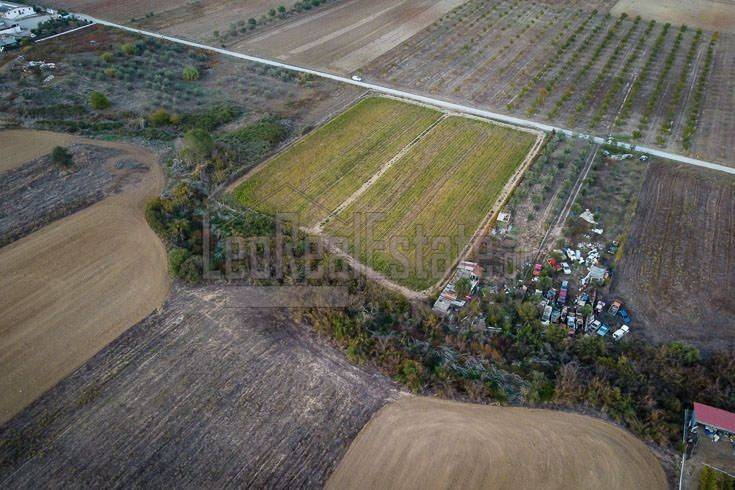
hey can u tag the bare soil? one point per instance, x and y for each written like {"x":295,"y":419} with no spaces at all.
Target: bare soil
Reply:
{"x":678,"y":268}
{"x":42,"y":191}
{"x":713,"y":15}
{"x":429,"y":443}
{"x":17,"y":151}
{"x":197,"y":395}
{"x":347,"y":35}
{"x":73,"y":286}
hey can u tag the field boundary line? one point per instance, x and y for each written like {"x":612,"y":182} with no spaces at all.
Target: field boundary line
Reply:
{"x":464,"y":109}
{"x":377,"y":175}
{"x":230,"y":187}
{"x":65,"y":32}
{"x":492,"y":215}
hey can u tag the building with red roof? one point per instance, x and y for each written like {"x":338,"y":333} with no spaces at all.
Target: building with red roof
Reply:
{"x":714,"y":417}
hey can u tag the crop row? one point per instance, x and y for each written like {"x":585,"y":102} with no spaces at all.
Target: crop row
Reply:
{"x":582,"y":73}
{"x":554,"y":60}
{"x":619,"y":80}
{"x":602,"y":75}
{"x":696,"y":104}
{"x":658,"y":91}
{"x":644,"y":74}
{"x":668,"y":123}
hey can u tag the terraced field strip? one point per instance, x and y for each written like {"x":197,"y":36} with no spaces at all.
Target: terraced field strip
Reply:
{"x":322,"y":170}
{"x":425,"y":208}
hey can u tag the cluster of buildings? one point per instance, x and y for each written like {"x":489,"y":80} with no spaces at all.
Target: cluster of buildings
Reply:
{"x":17,"y":22}
{"x":460,"y":288}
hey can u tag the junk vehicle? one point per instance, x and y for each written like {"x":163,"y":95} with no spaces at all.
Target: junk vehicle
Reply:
{"x":615,"y":307}
{"x":563,"y":292}
{"x":602,"y":331}
{"x":547,"y":315}
{"x":621,"y":332}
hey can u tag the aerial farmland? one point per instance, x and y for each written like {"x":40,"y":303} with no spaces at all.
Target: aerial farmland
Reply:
{"x":411,"y":175}
{"x":354,"y":243}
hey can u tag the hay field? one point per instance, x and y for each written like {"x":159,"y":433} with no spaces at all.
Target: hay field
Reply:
{"x":76,"y":284}
{"x":322,"y":170}
{"x":426,"y":443}
{"x":446,"y":185}
{"x":713,"y":15}
{"x":348,"y":35}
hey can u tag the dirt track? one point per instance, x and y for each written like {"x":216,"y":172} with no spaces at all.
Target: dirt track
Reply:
{"x":75,"y":285}
{"x":428,"y":443}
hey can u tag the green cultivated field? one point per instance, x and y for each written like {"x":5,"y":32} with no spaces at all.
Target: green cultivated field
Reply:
{"x":322,"y":170}
{"x":446,"y":184}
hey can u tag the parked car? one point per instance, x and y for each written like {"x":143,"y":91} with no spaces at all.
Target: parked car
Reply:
{"x":621,"y":332}
{"x":602,"y":331}
{"x":625,"y":316}
{"x":537,"y":269}
{"x":547,"y":315}
{"x":615,"y":307}
{"x":567,"y":269}
{"x":555,"y":314}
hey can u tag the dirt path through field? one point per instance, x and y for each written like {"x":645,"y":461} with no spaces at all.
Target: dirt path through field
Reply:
{"x":428,"y":443}
{"x":72,"y":287}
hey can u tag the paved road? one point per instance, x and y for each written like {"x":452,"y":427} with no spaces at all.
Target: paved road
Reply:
{"x":423,"y":99}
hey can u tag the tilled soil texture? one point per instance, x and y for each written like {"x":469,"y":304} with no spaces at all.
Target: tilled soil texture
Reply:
{"x":428,"y":443}
{"x":678,"y":268}
{"x":715,"y":15}
{"x":73,"y":286}
{"x":42,"y":191}
{"x":575,"y":66}
{"x":197,"y":395}
{"x":347,"y":35}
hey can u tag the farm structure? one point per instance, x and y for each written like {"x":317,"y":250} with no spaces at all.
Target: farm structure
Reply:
{"x":710,"y":447}
{"x":403,"y":188}
{"x":644,"y":81}
{"x":197,"y":395}
{"x":677,"y":268}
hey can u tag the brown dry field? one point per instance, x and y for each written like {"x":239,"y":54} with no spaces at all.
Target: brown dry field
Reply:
{"x":18,"y":150}
{"x":115,"y":10}
{"x":428,"y":443}
{"x":348,"y":35}
{"x":187,"y":18}
{"x":73,"y":286}
{"x":677,"y":273}
{"x":713,"y":15}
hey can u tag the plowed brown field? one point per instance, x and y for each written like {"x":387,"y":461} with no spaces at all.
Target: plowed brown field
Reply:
{"x":70,"y":288}
{"x":428,"y":443}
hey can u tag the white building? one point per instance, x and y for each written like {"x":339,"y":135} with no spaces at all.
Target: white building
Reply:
{"x":12,"y":11}
{"x":8,"y":29}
